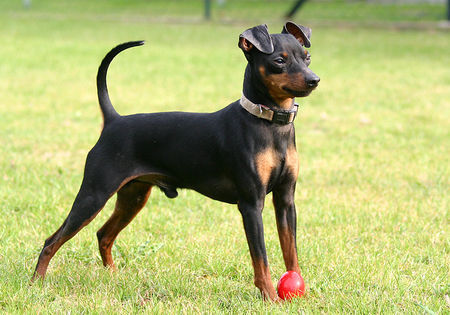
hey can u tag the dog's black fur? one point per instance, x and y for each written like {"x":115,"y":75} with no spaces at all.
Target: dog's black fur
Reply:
{"x":230,"y":155}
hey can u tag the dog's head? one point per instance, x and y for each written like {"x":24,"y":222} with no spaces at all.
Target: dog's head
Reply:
{"x":280,"y":61}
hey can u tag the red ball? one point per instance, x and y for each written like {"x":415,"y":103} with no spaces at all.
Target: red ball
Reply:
{"x":291,"y":285}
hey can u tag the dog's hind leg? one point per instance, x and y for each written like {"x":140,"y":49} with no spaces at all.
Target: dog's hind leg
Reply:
{"x":131,"y":198}
{"x":97,"y":187}
{"x":84,"y":209}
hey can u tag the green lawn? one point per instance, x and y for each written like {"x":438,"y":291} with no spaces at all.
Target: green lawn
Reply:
{"x":372,"y":197}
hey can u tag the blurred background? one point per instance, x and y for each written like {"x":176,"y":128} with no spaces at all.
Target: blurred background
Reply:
{"x":229,"y":11}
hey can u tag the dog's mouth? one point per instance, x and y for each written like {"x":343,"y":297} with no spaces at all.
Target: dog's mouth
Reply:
{"x":298,"y":93}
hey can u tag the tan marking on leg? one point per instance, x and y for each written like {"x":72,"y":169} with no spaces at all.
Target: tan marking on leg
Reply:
{"x":53,"y":243}
{"x":265,"y":162}
{"x":288,"y":248}
{"x":292,"y":161}
{"x":46,"y":255}
{"x":131,"y":198}
{"x":263,"y":280}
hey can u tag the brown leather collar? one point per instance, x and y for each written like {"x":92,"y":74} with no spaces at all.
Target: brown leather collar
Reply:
{"x":281,"y":117}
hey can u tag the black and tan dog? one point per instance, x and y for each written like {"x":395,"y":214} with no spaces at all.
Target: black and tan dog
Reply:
{"x":236,"y":155}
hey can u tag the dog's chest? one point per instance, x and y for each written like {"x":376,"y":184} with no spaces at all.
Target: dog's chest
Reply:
{"x":272,"y":165}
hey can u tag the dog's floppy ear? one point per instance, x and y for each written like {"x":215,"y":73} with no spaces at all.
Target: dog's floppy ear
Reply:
{"x":300,"y":32}
{"x":257,"y":37}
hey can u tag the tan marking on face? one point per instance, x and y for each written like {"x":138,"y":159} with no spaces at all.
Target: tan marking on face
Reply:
{"x":276,"y":82}
{"x":284,"y":54}
{"x":262,"y":71}
{"x":292,"y":161}
{"x":265,"y":162}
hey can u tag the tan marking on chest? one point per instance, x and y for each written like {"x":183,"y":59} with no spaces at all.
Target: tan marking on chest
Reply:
{"x":265,"y":162}
{"x":292,"y":161}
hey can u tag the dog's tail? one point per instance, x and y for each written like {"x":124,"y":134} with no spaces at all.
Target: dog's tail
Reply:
{"x":108,"y":111}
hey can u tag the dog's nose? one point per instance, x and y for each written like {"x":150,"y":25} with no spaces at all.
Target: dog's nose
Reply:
{"x":313,"y":81}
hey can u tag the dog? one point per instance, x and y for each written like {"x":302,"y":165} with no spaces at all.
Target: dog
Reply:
{"x":236,"y":155}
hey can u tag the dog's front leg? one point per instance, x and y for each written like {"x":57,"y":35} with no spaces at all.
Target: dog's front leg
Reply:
{"x":253,"y":225}
{"x":283,"y":200}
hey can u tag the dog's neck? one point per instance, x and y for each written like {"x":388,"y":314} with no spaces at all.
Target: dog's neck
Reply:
{"x":280,"y":117}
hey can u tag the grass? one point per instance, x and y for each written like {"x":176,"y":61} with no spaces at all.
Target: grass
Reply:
{"x":372,"y":196}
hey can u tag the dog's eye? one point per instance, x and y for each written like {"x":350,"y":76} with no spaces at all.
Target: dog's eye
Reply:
{"x":279,"y":61}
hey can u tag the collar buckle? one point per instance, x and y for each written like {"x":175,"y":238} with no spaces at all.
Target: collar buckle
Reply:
{"x":281,"y":118}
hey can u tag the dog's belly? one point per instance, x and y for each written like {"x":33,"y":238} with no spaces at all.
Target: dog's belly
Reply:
{"x":219,"y":188}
